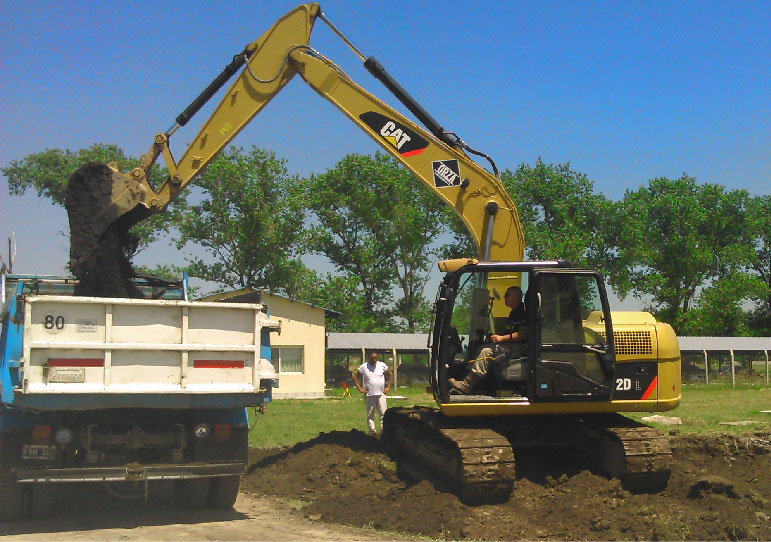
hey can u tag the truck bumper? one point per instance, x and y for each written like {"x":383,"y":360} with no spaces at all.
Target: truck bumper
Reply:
{"x":98,"y":401}
{"x":129,"y":473}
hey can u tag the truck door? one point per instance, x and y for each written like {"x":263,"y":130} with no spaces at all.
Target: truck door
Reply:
{"x":571,"y":348}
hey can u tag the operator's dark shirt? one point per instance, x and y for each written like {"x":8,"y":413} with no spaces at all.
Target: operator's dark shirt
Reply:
{"x":517,"y":318}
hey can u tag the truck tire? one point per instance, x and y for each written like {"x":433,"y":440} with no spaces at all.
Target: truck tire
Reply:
{"x":11,"y":499}
{"x":224,"y":491}
{"x":41,"y":500}
{"x":193,"y":494}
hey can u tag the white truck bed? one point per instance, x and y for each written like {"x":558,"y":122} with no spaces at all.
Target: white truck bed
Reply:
{"x":110,"y":346}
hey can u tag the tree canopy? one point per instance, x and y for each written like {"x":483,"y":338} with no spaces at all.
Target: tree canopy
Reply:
{"x":562,"y":217}
{"x":377,"y":224}
{"x":249,"y":219}
{"x":697,"y":254}
{"x":677,"y":236}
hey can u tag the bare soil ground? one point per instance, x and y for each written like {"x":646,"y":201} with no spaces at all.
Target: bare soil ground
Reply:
{"x":343,"y":486}
{"x":89,"y":512}
{"x":720,"y":489}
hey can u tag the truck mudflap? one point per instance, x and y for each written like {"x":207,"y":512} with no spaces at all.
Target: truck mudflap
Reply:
{"x":133,"y":472}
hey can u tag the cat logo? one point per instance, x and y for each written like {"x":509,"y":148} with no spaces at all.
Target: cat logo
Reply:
{"x":446,"y":173}
{"x":395,"y":136}
{"x":403,"y":139}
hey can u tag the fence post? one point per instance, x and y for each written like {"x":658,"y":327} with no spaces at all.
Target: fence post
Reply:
{"x":396,"y":366}
{"x":733,"y":370}
{"x":706,"y":366}
{"x":766,"y":353}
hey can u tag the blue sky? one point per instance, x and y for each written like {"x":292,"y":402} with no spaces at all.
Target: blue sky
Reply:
{"x":624,"y":91}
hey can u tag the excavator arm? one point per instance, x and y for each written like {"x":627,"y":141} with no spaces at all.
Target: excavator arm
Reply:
{"x":267,"y":65}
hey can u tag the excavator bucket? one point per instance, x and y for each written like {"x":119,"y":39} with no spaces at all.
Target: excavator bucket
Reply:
{"x":103,"y":205}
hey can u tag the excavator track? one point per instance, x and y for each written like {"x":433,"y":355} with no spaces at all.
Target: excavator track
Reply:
{"x":476,"y":461}
{"x":638,"y":455}
{"x":475,"y":457}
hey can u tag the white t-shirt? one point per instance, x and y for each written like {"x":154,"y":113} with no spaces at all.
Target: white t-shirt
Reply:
{"x":373,"y":377}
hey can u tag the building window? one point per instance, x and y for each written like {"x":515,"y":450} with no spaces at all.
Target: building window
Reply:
{"x":287,"y":359}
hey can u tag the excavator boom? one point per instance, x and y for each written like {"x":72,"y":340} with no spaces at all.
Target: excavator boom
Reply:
{"x":267,"y":65}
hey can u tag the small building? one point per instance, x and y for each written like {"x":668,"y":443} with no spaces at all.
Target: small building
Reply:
{"x":297,"y":351}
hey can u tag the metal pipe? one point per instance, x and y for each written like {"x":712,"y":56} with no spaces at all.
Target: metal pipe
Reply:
{"x":340,"y":35}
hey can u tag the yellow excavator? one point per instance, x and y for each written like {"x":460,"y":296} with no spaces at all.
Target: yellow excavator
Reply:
{"x":575,"y":369}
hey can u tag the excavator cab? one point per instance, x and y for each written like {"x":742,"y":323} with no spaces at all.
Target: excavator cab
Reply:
{"x":568,"y":353}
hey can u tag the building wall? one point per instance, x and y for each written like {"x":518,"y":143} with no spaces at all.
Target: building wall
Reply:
{"x":302,"y":325}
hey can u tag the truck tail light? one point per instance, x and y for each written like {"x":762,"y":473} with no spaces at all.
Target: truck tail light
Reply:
{"x":218,"y":364}
{"x":41,"y":434}
{"x":222,"y":432}
{"x":76,"y":362}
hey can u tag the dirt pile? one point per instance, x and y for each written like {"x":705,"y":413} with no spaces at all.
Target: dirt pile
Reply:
{"x":99,"y":244}
{"x":720,"y":489}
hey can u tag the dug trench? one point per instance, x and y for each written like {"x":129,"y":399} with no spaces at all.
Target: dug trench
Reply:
{"x":720,"y":489}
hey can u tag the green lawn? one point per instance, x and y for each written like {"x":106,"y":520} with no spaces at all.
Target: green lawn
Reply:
{"x":289,"y":421}
{"x":703,"y":407}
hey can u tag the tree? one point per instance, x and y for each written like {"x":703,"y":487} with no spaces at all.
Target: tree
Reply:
{"x":562,"y":217}
{"x":342,"y":294}
{"x":47,"y":173}
{"x":719,"y":311}
{"x":378,"y":224}
{"x":675,"y":237}
{"x":759,"y":230}
{"x":249,"y":219}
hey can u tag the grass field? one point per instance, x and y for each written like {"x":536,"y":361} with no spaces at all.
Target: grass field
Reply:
{"x":702,"y":410}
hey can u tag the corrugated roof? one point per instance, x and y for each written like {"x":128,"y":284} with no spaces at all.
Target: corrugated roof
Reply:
{"x":417,"y":341}
{"x":403,"y":342}
{"x":755,"y":344}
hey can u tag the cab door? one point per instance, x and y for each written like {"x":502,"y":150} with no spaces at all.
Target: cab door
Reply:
{"x":571,"y":348}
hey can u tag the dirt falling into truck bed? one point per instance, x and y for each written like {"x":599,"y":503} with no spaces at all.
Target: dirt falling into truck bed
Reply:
{"x":98,"y":244}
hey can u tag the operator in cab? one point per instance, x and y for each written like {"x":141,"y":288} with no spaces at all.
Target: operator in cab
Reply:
{"x":511,"y":342}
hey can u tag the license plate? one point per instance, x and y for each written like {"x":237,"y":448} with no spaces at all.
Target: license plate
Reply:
{"x":38,"y":451}
{"x":66,"y":374}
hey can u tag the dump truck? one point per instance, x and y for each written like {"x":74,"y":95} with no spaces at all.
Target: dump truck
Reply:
{"x":130,"y":392}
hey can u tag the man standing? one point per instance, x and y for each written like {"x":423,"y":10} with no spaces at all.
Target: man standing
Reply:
{"x":374,"y":373}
